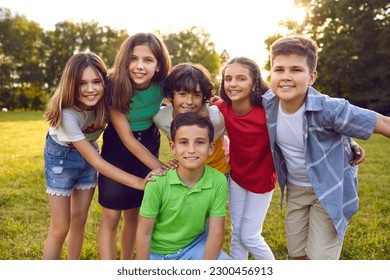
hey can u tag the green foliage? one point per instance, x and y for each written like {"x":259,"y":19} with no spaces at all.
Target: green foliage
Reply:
{"x":353,"y":36}
{"x":69,"y":38}
{"x":193,"y":45}
{"x":32,"y":60}
{"x":24,"y":210}
{"x":21,"y":60}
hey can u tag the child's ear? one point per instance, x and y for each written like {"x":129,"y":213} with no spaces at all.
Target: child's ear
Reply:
{"x":313,"y":77}
{"x":172,"y":147}
{"x":211,"y":148}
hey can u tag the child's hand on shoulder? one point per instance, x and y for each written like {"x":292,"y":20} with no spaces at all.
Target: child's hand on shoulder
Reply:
{"x":172,"y":164}
{"x":155,"y":172}
{"x":214,"y":99}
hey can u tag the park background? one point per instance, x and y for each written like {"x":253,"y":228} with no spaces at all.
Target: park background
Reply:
{"x":354,"y":39}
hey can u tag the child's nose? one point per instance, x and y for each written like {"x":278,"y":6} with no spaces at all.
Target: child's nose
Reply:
{"x":139,"y":65}
{"x":90,"y":87}
{"x":189,"y":99}
{"x":191,"y":148}
{"x":286,"y":76}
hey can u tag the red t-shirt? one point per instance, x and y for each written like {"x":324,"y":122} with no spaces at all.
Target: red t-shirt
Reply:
{"x":251,"y":160}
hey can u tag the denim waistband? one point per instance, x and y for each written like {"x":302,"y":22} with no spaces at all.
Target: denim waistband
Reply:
{"x":68,"y":148}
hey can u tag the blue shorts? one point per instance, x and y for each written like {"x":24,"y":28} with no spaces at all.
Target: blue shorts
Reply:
{"x":194,"y":251}
{"x":66,"y":169}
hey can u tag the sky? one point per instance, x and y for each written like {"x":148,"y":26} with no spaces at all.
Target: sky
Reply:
{"x":239,"y":26}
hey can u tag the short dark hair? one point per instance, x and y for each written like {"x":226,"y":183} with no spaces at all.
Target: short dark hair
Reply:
{"x":185,"y":76}
{"x":192,"y":118}
{"x":297,"y":45}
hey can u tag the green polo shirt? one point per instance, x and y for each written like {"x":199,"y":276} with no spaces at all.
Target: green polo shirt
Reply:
{"x":181,"y":212}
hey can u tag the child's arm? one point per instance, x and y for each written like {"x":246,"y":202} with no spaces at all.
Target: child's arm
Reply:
{"x":133,"y":145}
{"x":382,"y":125}
{"x":144,"y":236}
{"x":215,"y":238}
{"x":93,"y":157}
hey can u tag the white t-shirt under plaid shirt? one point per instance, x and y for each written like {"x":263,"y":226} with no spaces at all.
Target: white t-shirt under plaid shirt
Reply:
{"x":328,"y":124}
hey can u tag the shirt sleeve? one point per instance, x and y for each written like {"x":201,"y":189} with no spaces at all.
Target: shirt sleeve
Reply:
{"x":217,"y":120}
{"x":152,"y":199}
{"x":163,"y":120}
{"x":218,"y":208}
{"x":69,"y":129}
{"x":353,"y":121}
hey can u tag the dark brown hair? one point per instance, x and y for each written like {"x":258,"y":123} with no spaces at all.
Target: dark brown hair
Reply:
{"x":185,"y":76}
{"x":260,"y":86}
{"x":192,"y":118}
{"x":297,"y":45}
{"x":120,"y":89}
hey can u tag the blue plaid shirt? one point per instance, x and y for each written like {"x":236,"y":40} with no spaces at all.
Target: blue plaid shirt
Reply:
{"x":328,"y":124}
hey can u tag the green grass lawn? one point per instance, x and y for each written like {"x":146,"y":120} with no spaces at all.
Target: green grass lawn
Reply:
{"x":24,"y":211}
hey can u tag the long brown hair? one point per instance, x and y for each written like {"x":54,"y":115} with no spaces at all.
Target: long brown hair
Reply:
{"x":120,"y":89}
{"x":68,"y":90}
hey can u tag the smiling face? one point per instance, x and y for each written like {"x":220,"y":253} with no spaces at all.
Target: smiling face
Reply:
{"x":142,"y":67}
{"x":91,"y":89}
{"x":184,"y":101}
{"x":290,"y":79}
{"x":191,"y":147}
{"x":238,"y":82}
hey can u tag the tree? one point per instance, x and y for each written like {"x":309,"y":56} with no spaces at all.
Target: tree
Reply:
{"x":101,"y":40}
{"x":69,"y":38}
{"x":193,"y":45}
{"x":353,"y":36}
{"x":32,"y":60}
{"x":22,"y":54}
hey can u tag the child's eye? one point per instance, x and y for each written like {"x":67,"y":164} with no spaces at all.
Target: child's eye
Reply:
{"x":198,"y":95}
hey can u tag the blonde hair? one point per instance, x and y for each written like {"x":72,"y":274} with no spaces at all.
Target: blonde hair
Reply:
{"x":68,"y":89}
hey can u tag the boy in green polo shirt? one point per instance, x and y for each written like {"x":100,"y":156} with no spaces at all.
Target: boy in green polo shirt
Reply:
{"x":175,"y":207}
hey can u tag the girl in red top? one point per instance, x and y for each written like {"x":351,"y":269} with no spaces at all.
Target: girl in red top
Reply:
{"x":252,"y":176}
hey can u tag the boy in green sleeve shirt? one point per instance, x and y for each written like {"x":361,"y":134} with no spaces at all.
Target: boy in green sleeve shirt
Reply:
{"x":175,"y":207}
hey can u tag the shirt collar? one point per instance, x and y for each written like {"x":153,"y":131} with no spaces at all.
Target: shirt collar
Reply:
{"x":205,"y":181}
{"x":313,"y":100}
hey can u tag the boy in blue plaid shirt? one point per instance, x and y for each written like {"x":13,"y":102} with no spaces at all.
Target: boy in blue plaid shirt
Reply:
{"x":310,"y":137}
